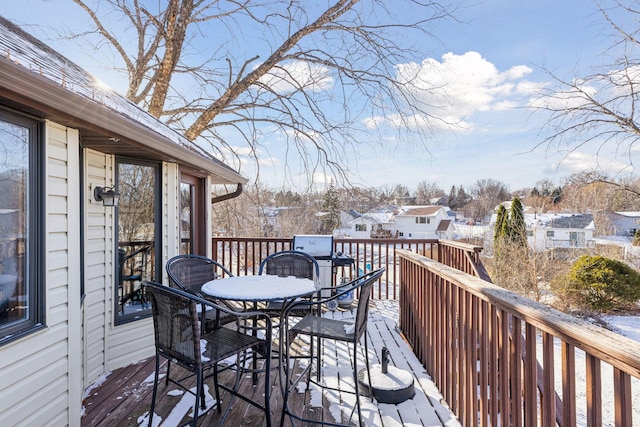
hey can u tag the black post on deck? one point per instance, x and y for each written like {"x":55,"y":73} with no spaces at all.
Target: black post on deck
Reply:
{"x":385,"y":360}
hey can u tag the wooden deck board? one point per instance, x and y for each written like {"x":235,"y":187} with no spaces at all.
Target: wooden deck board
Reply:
{"x":125,"y":397}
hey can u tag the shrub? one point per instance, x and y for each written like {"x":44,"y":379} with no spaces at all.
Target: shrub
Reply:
{"x":600,"y":284}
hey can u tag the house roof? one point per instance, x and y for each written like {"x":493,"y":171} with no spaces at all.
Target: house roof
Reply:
{"x":374,"y":218}
{"x":629,"y":214}
{"x":582,"y":221}
{"x":418,"y":210}
{"x":443,"y":225}
{"x":42,"y":82}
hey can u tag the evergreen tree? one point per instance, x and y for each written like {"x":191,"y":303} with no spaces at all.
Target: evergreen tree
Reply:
{"x":452,"y":202}
{"x":462,"y":197}
{"x":331,"y":209}
{"x":517,"y":226}
{"x":498,"y":228}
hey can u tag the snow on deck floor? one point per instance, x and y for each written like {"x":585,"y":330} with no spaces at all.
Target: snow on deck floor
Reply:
{"x":424,"y":409}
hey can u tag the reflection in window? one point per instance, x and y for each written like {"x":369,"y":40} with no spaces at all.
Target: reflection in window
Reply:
{"x":138,"y":222}
{"x":19,"y":273}
{"x":186,"y":217}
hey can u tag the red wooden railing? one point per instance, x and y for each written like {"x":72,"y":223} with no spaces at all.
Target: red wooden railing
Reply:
{"x":242,"y":255}
{"x":500,"y":359}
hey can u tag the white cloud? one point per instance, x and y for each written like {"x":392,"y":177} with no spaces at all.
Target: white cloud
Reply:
{"x":576,"y":161}
{"x":458,"y":86}
{"x":295,"y":75}
{"x":468,"y":82}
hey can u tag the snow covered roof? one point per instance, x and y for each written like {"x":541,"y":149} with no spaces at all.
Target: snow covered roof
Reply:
{"x":418,"y":210}
{"x":552,"y":220}
{"x":629,"y":214}
{"x":36,"y":77}
{"x":373,"y":217}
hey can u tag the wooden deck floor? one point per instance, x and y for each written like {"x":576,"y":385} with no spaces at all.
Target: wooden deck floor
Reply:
{"x":124,"y":397}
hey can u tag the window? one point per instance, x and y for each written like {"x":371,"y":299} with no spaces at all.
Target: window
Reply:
{"x":192,"y":215}
{"x":138,"y":240}
{"x":529,"y":233}
{"x":577,"y":239}
{"x":423,"y":220}
{"x":361,"y":227}
{"x":550,"y":233}
{"x":22,"y":304}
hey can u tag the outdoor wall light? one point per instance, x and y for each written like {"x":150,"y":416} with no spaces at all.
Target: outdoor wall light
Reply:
{"x":107,"y":195}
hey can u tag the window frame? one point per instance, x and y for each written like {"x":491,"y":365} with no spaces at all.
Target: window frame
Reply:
{"x":124,"y":319}
{"x":34,"y":241}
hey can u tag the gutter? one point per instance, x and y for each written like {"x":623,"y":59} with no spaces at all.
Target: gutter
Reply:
{"x":227,"y":196}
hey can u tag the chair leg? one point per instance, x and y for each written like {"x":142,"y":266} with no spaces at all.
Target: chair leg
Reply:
{"x":356,"y":385}
{"x":366,"y":361}
{"x":199,"y":389}
{"x":156,"y":376}
{"x":166,"y":380}
{"x":318,"y":358}
{"x":216,"y":387}
{"x":203,"y":402}
{"x":284,"y":370}
{"x":267,"y":388}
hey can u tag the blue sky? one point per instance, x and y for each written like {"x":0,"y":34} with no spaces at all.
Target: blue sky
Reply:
{"x":491,"y":59}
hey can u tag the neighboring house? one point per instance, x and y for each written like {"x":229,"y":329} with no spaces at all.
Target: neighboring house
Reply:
{"x":370,"y":224}
{"x":71,"y":306}
{"x":423,"y":222}
{"x":625,"y":223}
{"x":405,"y":222}
{"x":548,"y":231}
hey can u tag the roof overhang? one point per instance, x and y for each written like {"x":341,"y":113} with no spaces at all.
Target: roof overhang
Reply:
{"x":101,"y":128}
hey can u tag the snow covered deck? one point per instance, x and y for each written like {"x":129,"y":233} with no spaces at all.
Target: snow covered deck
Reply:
{"x":124,"y":396}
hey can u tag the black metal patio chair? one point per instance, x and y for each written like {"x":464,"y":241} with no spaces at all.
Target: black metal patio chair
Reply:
{"x":289,"y":263}
{"x":178,"y":338}
{"x":323,"y":328}
{"x":189,"y":272}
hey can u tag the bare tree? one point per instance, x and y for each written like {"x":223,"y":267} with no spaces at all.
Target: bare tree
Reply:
{"x":326,"y":70}
{"x":600,"y":108}
{"x":427,"y":191}
{"x":487,"y":193}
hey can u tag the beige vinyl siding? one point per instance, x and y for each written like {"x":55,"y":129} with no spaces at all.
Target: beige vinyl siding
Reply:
{"x":170,"y":213}
{"x":98,"y":264}
{"x":130,"y":343}
{"x":42,"y":389}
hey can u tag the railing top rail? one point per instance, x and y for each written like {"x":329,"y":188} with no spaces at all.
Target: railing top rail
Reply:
{"x":615,"y":349}
{"x":340,"y":239}
{"x":461,"y":245}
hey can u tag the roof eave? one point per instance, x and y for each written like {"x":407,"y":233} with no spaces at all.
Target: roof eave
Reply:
{"x":54,"y":102}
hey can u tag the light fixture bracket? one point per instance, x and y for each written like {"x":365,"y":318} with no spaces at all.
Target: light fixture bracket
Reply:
{"x":107,"y":195}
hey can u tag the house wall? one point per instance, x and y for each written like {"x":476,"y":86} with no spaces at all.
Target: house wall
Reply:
{"x":410,"y":229}
{"x":561,"y":238}
{"x":623,"y":224}
{"x":361,"y":234}
{"x":41,"y":379}
{"x":99,"y":264}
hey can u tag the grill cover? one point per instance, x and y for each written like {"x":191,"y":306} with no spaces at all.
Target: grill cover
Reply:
{"x":316,"y":245}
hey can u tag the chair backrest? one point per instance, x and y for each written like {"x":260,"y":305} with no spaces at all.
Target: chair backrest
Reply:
{"x":290,"y":263}
{"x":175,"y":323}
{"x":190,"y":272}
{"x":365,"y":283}
{"x":133,"y":266}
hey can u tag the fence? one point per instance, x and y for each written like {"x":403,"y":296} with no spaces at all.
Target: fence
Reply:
{"x":501,"y":359}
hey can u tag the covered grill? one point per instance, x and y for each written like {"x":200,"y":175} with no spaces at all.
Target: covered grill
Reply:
{"x":321,"y":248}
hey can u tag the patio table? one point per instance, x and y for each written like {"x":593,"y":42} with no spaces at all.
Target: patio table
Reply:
{"x":259,"y":288}
{"x":262,"y":288}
